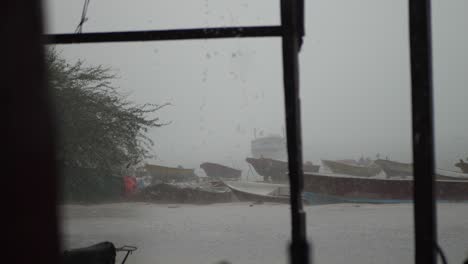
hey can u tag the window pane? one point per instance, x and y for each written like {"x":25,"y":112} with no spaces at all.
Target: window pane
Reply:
{"x":450,"y":55}
{"x":221,"y":94}
{"x":121,"y":15}
{"x":356,"y":105}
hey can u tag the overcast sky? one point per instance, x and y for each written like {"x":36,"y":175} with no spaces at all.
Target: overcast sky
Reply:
{"x":355,"y":76}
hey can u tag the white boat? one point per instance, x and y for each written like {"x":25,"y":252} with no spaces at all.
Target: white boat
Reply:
{"x":270,"y":147}
{"x":259,"y":191}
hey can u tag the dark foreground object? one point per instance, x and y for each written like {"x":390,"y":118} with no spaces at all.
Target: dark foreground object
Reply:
{"x":102,"y":253}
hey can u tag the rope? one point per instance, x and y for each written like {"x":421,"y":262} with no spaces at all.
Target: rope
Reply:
{"x":79,"y":28}
{"x":441,"y":253}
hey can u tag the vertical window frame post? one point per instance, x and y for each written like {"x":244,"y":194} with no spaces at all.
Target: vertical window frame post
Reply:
{"x":292,"y":22}
{"x":423,"y":132}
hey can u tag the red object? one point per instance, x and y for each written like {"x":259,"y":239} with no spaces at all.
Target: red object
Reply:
{"x":130,"y":183}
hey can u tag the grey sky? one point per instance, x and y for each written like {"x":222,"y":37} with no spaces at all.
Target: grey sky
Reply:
{"x":355,"y":79}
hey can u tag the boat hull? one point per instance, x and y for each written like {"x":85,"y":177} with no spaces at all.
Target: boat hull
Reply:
{"x":276,"y":170}
{"x":259,"y":192}
{"x":450,"y":175}
{"x":272,"y":147}
{"x":169,"y":174}
{"x":251,"y":197}
{"x":215,"y":170}
{"x":349,"y":169}
{"x":399,"y":169}
{"x":371,"y":190}
{"x":395,"y":169}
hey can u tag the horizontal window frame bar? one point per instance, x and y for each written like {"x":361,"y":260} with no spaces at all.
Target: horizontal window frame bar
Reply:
{"x":161,"y":35}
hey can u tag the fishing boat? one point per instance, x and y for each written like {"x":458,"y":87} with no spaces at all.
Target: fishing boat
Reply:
{"x":355,"y":168}
{"x":394,"y":168}
{"x":276,"y":171}
{"x":343,"y":188}
{"x":450,"y":175}
{"x":168,"y":174}
{"x":214,"y":170}
{"x":259,"y":191}
{"x":462,"y":165}
{"x":271,"y":147}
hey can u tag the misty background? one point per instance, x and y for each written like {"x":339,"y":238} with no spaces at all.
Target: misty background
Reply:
{"x":355,"y":76}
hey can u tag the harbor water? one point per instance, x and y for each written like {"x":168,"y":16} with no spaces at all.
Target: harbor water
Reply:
{"x":259,"y":233}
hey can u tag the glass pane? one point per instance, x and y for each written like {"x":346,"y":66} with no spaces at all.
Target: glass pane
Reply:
{"x":450,"y":55}
{"x":121,"y":15}
{"x":356,"y":114}
{"x":221,"y":95}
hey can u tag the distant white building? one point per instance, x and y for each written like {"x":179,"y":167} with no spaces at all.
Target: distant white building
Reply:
{"x":271,"y":147}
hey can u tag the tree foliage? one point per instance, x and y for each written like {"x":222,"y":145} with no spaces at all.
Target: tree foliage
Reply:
{"x":99,"y":127}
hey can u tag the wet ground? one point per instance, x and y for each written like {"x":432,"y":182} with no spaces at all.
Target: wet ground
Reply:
{"x":246,"y":233}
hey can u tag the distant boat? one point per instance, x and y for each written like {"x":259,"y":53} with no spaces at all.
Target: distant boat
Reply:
{"x":270,"y":147}
{"x":352,"y":168}
{"x":394,"y":168}
{"x":463,"y":166}
{"x":450,"y":175}
{"x":259,"y":191}
{"x":374,"y":190}
{"x":399,"y":169}
{"x":169,"y":174}
{"x":215,"y":170}
{"x":276,"y":170}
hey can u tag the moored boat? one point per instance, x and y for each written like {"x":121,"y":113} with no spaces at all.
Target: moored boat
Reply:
{"x":272,"y":147}
{"x":276,"y":171}
{"x":374,"y":190}
{"x":399,"y":169}
{"x":259,"y":191}
{"x":214,"y":170}
{"x":168,"y":174}
{"x":450,"y":175}
{"x":356,"y":169}
{"x":394,"y":168}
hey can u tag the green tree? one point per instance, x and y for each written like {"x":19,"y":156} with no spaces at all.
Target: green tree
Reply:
{"x":98,"y":127}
